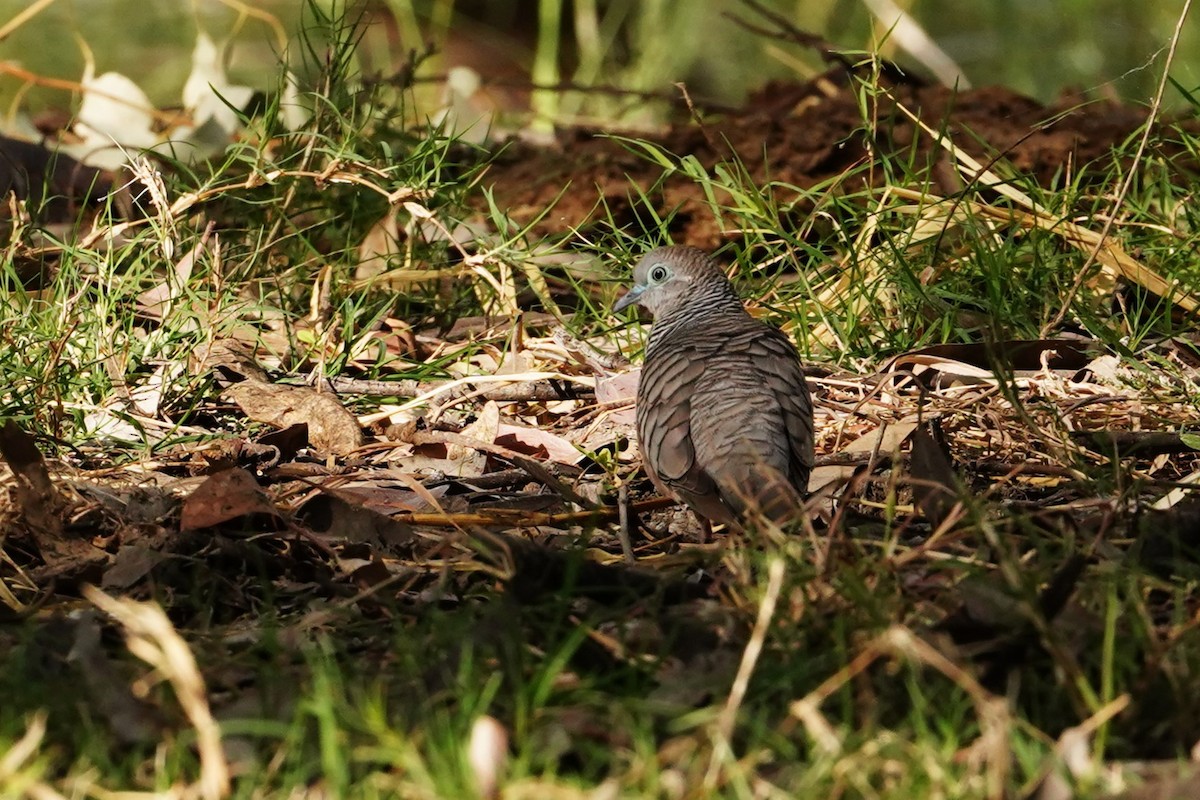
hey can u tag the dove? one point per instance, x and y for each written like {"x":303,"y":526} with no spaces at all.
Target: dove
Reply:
{"x":724,"y":416}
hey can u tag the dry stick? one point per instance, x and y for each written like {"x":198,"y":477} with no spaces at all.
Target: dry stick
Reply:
{"x":270,"y":20}
{"x":737,"y":693}
{"x":8,"y":68}
{"x":150,"y":636}
{"x":623,"y":528}
{"x":535,"y":469}
{"x":1155,"y":107}
{"x":530,"y":391}
{"x":23,"y":17}
{"x":683,"y":90}
{"x":425,"y":397}
{"x":520,"y":517}
{"x":788,"y":32}
{"x":500,"y":479}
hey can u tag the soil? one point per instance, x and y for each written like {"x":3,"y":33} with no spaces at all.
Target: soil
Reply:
{"x":800,"y":135}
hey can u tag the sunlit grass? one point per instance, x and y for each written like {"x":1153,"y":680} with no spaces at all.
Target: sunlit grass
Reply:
{"x":623,"y":696}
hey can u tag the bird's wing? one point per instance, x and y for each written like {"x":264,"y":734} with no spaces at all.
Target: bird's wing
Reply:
{"x":776,"y":356}
{"x":664,"y":417}
{"x":739,"y":428}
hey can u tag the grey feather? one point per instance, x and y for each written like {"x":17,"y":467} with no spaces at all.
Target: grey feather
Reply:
{"x":724,"y":416}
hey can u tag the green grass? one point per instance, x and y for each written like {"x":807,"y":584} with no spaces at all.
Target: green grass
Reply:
{"x":608,"y":688}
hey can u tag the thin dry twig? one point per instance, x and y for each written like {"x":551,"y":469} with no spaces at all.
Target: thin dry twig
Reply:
{"x":152,"y":638}
{"x":741,"y":682}
{"x":512,"y":388}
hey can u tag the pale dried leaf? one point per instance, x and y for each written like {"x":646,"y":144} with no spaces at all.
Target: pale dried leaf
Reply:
{"x":115,"y":116}
{"x":208,"y":94}
{"x":536,"y":442}
{"x":331,"y":428}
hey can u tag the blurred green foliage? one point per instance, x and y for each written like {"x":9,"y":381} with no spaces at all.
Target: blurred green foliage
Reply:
{"x":1034,"y":46}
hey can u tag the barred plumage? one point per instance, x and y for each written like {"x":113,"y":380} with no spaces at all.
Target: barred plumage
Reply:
{"x":724,"y":416}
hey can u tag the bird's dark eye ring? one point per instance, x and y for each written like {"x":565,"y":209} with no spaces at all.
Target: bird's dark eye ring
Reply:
{"x":658,"y":274}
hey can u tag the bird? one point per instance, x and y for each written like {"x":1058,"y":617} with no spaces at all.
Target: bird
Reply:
{"x":724,"y":415}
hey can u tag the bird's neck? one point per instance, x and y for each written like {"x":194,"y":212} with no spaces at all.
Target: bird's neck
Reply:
{"x":714,"y":313}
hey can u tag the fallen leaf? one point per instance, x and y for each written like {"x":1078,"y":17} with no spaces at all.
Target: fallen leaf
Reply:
{"x":935,"y":483}
{"x":339,"y":520}
{"x":469,"y":461}
{"x":131,"y":564}
{"x":222,"y":497}
{"x":618,"y":389}
{"x":536,"y":442}
{"x":331,"y":428}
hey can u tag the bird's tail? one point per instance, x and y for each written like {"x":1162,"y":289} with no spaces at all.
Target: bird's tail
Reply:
{"x":763,"y":491}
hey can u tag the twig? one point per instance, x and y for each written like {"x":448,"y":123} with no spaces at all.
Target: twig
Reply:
{"x":499,"y":517}
{"x":737,"y":693}
{"x":535,"y":469}
{"x":829,"y":52}
{"x":529,"y":391}
{"x":691,"y":107}
{"x":623,"y":529}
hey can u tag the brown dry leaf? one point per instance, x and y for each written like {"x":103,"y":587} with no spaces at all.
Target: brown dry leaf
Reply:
{"x":223,"y":497}
{"x":331,"y":428}
{"x":131,"y":564}
{"x":229,"y":357}
{"x":36,"y":495}
{"x":536,"y":442}
{"x":339,"y":520}
{"x":380,"y":496}
{"x":935,"y":484}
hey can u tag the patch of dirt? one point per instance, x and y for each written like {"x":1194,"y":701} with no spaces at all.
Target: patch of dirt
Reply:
{"x":800,"y":135}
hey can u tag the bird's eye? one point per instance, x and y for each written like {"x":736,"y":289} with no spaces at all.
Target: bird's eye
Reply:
{"x":659,"y":273}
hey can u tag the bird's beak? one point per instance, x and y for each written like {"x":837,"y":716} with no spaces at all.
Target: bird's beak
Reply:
{"x":629,"y":298}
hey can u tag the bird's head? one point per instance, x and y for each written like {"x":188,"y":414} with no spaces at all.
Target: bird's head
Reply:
{"x":671,"y":280}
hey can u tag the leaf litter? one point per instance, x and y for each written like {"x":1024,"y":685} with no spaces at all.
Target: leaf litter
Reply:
{"x":511,"y":469}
